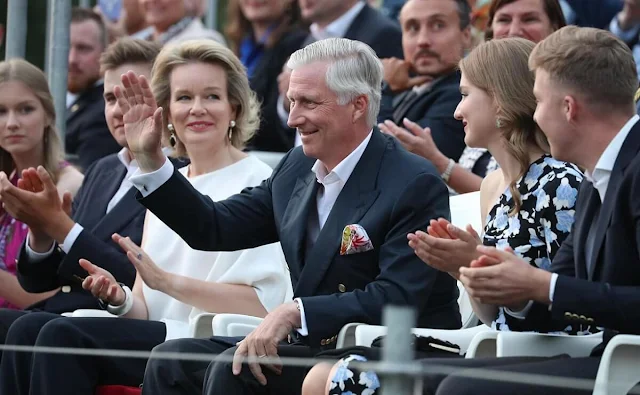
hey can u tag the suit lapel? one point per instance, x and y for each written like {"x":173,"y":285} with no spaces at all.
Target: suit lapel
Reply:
{"x":119,"y":215}
{"x":627,"y":153}
{"x":295,"y":219}
{"x":583,"y":224}
{"x":355,"y":199}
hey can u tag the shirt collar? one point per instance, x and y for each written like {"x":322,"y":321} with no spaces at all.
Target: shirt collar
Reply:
{"x":339,"y":27}
{"x":343,"y":170}
{"x":608,"y":158}
{"x":125,"y":158}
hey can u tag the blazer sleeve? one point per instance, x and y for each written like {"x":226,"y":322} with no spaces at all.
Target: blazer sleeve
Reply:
{"x":245,"y":220}
{"x":403,"y":279}
{"x":447,"y":132}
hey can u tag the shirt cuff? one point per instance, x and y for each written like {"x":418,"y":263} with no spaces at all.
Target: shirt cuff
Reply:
{"x":303,"y":330}
{"x":71,"y":237}
{"x":521,"y":314}
{"x":36,"y":256}
{"x":282,"y":113}
{"x":552,"y":286}
{"x":624,"y":35}
{"x":147,"y":183}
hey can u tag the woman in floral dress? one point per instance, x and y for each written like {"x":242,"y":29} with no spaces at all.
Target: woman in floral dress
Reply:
{"x":527,"y":204}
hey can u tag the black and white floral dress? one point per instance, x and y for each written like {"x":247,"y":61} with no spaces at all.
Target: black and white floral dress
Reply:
{"x":548,"y":193}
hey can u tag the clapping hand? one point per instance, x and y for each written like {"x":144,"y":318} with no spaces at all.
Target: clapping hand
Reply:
{"x":142,"y":121}
{"x":446,"y":247}
{"x":151,"y":274}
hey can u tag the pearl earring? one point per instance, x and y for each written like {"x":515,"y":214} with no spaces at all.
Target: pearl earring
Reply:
{"x":232,"y":125}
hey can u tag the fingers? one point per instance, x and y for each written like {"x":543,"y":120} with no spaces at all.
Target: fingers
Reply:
{"x":67,"y":203}
{"x":238,"y":357}
{"x":157,"y":122}
{"x":127,"y":244}
{"x":436,"y":229}
{"x":89,"y":267}
{"x":147,"y":93}
{"x":414,"y":127}
{"x":271,"y":350}
{"x":473,"y":233}
{"x":47,"y":183}
{"x":130,"y":82}
{"x":122,"y":100}
{"x":255,"y":368}
{"x":461,"y":234}
{"x":495,"y":253}
{"x":404,"y":136}
{"x":34,"y":179}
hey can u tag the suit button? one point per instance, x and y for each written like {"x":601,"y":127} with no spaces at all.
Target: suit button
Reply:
{"x":342,"y":288}
{"x":567,"y":315}
{"x":583,"y":318}
{"x":590,"y":320}
{"x":323,"y":342}
{"x":66,"y":289}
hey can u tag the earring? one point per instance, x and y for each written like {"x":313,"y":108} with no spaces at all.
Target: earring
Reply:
{"x":173,"y":140}
{"x":232,"y":125}
{"x":498,"y":123}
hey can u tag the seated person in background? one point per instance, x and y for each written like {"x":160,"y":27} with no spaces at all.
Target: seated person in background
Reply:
{"x":530,"y":19}
{"x":424,"y":87}
{"x":264,"y":35}
{"x":28,"y":138}
{"x":527,"y":205}
{"x":87,"y":137}
{"x":208,"y":122}
{"x":105,"y":204}
{"x":173,"y":21}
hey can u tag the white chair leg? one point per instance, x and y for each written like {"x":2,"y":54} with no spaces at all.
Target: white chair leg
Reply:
{"x":483,"y":345}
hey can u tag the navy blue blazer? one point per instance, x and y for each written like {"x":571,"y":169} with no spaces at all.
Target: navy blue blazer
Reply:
{"x":390,"y":193}
{"x":608,"y":296}
{"x":87,"y":136}
{"x":433,"y":108}
{"x":377,"y":31}
{"x":101,"y":182}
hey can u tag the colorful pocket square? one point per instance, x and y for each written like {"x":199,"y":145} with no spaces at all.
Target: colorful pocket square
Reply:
{"x":354,"y":240}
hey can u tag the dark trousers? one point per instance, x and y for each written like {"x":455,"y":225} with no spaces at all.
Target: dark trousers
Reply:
{"x":49,"y":373}
{"x":173,"y":377}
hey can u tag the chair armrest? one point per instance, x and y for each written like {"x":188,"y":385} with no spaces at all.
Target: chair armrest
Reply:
{"x":518,"y":344}
{"x":90,"y":313}
{"x":483,"y":345}
{"x":200,"y":326}
{"x":347,"y":335}
{"x":365,"y":334}
{"x":220,"y":323}
{"x":619,"y":368}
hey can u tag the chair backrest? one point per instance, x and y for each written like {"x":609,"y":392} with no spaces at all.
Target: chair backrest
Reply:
{"x":465,"y":209}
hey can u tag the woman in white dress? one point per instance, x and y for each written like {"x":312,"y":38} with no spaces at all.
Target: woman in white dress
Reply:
{"x":209,"y":112}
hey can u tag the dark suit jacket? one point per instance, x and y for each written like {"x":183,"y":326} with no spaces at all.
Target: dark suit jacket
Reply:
{"x":87,"y":136}
{"x":609,"y":295}
{"x":595,"y":13}
{"x":264,"y":81}
{"x":390,"y":193}
{"x":433,"y":108}
{"x":101,"y":182}
{"x":372,"y":28}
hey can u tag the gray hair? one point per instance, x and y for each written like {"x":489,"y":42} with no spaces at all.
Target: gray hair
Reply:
{"x":354,"y":70}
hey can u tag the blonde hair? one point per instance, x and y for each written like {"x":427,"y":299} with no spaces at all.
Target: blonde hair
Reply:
{"x":240,"y":95}
{"x":592,"y":62}
{"x":33,"y":78}
{"x":500,"y":67}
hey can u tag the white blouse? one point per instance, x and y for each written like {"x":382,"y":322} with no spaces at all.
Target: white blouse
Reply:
{"x":264,"y":268}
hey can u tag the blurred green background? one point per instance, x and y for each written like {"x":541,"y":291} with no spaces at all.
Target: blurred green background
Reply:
{"x":36,"y":19}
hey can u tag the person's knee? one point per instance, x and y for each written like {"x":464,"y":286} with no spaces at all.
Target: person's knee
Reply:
{"x":458,"y":383}
{"x":317,"y":381}
{"x":157,"y":362}
{"x":25,"y":329}
{"x":58,"y":332}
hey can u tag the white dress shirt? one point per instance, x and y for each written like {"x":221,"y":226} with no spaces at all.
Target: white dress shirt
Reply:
{"x":72,"y":236}
{"x":600,"y":180}
{"x":335,"y":29}
{"x":332,"y":181}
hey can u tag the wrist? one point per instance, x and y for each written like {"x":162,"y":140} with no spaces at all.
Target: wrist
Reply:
{"x":39,"y":241}
{"x":540,"y":291}
{"x":440,"y":161}
{"x":59,"y":227}
{"x":294,"y":314}
{"x":149,"y":163}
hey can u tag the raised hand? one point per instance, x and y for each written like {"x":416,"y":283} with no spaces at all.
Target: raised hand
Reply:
{"x":415,"y":139}
{"x":396,"y":74}
{"x":142,"y":121}
{"x":102,"y":284}
{"x":151,"y":274}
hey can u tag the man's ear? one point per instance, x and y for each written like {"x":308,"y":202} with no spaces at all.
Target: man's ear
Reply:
{"x":570,"y":108}
{"x":360,"y":106}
